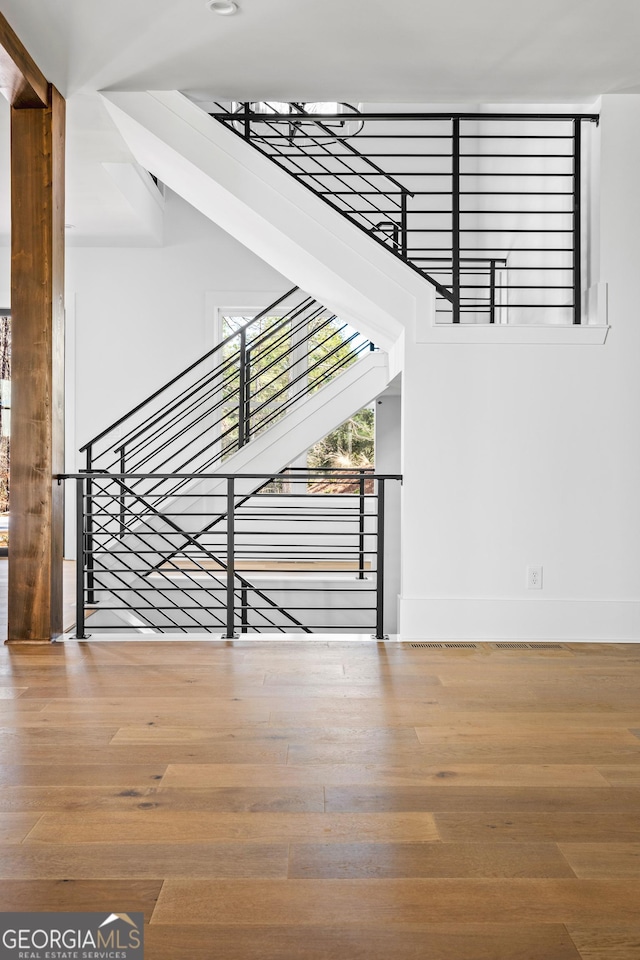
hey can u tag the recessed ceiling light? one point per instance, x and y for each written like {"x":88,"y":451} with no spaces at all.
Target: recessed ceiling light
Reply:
{"x":226,"y":8}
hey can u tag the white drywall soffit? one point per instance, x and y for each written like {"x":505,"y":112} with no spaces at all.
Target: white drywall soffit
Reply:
{"x":278,"y":219}
{"x":142,"y":194}
{"x":110,"y":200}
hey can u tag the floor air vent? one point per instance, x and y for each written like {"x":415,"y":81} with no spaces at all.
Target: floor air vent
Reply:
{"x":530,"y":646}
{"x":449,"y":646}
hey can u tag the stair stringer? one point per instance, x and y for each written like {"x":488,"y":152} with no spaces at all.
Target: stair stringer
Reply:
{"x":308,"y":421}
{"x":272,"y":214}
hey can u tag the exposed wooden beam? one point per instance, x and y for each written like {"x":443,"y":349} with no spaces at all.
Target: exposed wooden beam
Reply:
{"x":37,"y":427}
{"x":21,"y":82}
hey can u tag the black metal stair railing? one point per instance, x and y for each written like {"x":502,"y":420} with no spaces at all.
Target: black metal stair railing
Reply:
{"x":489,"y":208}
{"x":198,"y":419}
{"x":234,"y":392}
{"x":313,"y":548}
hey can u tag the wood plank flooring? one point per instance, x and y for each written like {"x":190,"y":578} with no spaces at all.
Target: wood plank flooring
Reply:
{"x":314,"y":801}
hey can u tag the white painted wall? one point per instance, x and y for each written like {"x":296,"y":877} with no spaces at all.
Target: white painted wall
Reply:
{"x":141,"y":313}
{"x":520,"y":454}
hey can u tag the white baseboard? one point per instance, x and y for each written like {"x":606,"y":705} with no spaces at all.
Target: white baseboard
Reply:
{"x":478,"y":619}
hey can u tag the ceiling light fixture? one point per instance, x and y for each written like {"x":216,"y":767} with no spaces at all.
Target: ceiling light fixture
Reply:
{"x":226,"y":8}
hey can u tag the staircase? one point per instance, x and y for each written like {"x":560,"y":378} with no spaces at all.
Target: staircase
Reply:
{"x":394,"y":222}
{"x":281,"y":221}
{"x":482,"y":211}
{"x":244,"y":386}
{"x":156,"y":492}
{"x":487,"y":208}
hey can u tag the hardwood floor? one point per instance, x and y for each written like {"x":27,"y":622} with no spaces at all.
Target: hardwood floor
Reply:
{"x":313,"y":801}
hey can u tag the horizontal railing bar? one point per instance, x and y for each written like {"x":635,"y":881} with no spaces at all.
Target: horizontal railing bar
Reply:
{"x":423,"y":212}
{"x":343,"y":515}
{"x":517,"y":213}
{"x":419,"y":155}
{"x":537,"y":306}
{"x":501,"y":260}
{"x":222,"y":588}
{"x":402,"y":115}
{"x":516,"y":193}
{"x":269,"y":497}
{"x":518,"y":269}
{"x":101,"y":475}
{"x":238,"y":607}
{"x":513,"y":156}
{"x":306,"y":589}
{"x":430,"y":173}
{"x":295,"y":549}
{"x":499,"y":230}
{"x":488,"y":250}
{"x":246,"y":548}
{"x":314,"y":608}
{"x":298,"y":151}
{"x":475,"y":193}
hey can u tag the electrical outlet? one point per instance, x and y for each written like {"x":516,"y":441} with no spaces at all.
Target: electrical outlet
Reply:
{"x":534,"y":578}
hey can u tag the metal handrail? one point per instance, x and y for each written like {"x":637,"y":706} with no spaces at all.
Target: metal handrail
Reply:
{"x":394,"y":181}
{"x":242,"y":532}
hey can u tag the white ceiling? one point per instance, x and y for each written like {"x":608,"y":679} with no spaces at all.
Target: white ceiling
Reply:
{"x":366,"y":50}
{"x":371,"y":51}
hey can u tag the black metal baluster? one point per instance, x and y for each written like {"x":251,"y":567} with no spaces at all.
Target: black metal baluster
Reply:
{"x":247,"y":121}
{"x":247,"y":395}
{"x":80,"y":558}
{"x":121,"y":498}
{"x":244,"y":612}
{"x":242,"y":387}
{"x":231,"y":573}
{"x":89,"y":529}
{"x":492,"y":291}
{"x":455,"y":218}
{"x":361,"y":505}
{"x":404,"y":244}
{"x":380,"y":634}
{"x":577,"y":221}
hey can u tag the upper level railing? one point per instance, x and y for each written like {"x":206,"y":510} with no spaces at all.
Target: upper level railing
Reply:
{"x":235,"y":391}
{"x":490,"y":208}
